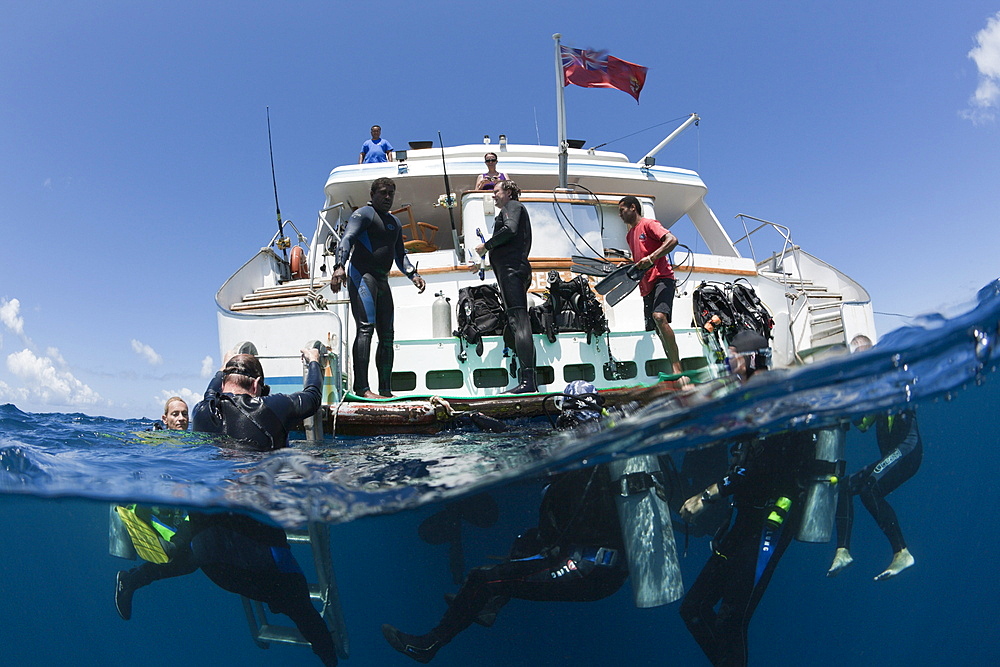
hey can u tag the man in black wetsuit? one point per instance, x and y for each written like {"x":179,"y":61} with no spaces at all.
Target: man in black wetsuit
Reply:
{"x":509,"y":247}
{"x":766,"y":482}
{"x":901,"y":452}
{"x":239,"y":553}
{"x":574,"y":554}
{"x":376,"y":237}
{"x":237,"y":403}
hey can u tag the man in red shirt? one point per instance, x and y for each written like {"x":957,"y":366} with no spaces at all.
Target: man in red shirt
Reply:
{"x":650,"y":243}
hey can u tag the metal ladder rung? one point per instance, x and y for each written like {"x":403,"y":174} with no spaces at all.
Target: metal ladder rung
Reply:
{"x":281,"y":634}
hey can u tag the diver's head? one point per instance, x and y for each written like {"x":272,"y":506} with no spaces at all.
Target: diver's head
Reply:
{"x":860,"y":343}
{"x":243,"y":371}
{"x":749,"y":352}
{"x":175,"y":414}
{"x":579,"y":404}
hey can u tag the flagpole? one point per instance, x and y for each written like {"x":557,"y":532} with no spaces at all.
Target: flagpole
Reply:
{"x":561,"y":113}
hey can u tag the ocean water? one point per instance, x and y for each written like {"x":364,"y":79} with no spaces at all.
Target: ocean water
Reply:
{"x":58,"y":473}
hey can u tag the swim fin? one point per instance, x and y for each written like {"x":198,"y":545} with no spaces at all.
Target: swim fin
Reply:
{"x":620,"y":283}
{"x":590,"y":266}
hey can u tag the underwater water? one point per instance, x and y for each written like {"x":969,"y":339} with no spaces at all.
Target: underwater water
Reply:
{"x":59,"y":472}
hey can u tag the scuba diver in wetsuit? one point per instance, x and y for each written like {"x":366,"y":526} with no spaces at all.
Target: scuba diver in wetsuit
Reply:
{"x":376,"y":237}
{"x":901,"y":452}
{"x":576,"y":552}
{"x":239,"y":553}
{"x":509,"y":247}
{"x":766,"y":482}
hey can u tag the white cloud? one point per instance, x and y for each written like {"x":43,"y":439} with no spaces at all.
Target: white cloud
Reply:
{"x":10,"y":315}
{"x":147,"y":353}
{"x":46,"y":384}
{"x":985,"y":102}
{"x":190,"y":397}
{"x":55,"y":355}
{"x":10,"y":394}
{"x":207,"y":367}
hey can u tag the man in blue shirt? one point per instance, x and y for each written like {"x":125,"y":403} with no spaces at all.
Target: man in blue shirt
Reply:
{"x":376,"y":149}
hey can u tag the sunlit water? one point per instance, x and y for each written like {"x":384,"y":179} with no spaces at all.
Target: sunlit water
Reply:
{"x":57,"y":579}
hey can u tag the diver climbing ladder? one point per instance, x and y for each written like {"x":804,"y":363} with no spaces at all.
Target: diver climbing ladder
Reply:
{"x":324,"y":591}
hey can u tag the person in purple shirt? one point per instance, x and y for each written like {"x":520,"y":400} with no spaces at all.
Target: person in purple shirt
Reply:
{"x":376,"y":149}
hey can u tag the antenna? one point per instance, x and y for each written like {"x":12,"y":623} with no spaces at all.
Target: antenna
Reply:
{"x":282,"y":241}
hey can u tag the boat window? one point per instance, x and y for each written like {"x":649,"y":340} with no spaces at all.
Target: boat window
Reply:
{"x":565,"y":229}
{"x":656,"y":366}
{"x":626,"y":371}
{"x":490,"y":377}
{"x":573,"y":372}
{"x":404,"y":381}
{"x":444,"y":379}
{"x":545,"y":374}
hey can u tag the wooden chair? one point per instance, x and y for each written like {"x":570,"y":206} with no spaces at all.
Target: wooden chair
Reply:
{"x":421,"y":233}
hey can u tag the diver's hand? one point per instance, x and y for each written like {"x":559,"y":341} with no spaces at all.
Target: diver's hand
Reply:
{"x":419,"y":283}
{"x":338,"y":279}
{"x":692,"y":507}
{"x":310,"y":354}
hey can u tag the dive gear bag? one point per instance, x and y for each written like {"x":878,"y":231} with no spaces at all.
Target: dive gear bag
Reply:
{"x":570,"y":306}
{"x":480,"y":313}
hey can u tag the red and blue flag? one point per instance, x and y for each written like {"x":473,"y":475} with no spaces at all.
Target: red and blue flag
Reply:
{"x":596,"y":69}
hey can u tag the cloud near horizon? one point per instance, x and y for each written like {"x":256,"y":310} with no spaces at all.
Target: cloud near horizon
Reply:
{"x":190,"y":397}
{"x":147,"y":353}
{"x":985,"y":102}
{"x":45,"y":383}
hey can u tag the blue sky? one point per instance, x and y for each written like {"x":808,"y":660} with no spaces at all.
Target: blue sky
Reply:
{"x":134,"y":171}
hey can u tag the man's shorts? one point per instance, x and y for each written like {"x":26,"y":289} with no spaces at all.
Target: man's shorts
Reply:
{"x":659,"y":300}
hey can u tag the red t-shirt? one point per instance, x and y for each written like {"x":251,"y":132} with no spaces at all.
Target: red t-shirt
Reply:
{"x":644,"y":238}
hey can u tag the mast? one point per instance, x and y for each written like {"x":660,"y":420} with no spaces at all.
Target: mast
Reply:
{"x":561,"y":113}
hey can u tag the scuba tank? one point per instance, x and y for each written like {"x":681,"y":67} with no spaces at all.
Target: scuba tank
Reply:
{"x":821,"y":494}
{"x":647,"y":532}
{"x":441,"y":316}
{"x":119,"y":541}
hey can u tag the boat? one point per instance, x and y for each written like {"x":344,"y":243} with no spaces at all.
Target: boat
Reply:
{"x":281,"y":299}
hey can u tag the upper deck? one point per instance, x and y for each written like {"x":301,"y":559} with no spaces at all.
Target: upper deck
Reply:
{"x":420,"y":188}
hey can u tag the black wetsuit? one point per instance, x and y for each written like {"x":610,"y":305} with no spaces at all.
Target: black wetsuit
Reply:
{"x":238,"y":553}
{"x":377,"y":241}
{"x":902,"y":451}
{"x":509,"y":247}
{"x":249,"y":558}
{"x":744,"y":558}
{"x":575,"y":554}
{"x":261,"y":424}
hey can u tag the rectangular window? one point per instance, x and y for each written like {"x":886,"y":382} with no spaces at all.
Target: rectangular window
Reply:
{"x":578,"y":372}
{"x":404,"y":381}
{"x":656,"y":366}
{"x":490,"y":377}
{"x":444,"y":379}
{"x":623,"y":370}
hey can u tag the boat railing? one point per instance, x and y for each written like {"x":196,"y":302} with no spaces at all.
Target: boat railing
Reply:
{"x":326,"y":246}
{"x":775,"y":263}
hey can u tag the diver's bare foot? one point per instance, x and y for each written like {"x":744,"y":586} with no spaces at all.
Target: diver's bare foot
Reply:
{"x":900,"y":561}
{"x":841,"y":559}
{"x":371,"y":394}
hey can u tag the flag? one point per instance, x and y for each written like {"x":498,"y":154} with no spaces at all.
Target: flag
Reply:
{"x":596,"y":69}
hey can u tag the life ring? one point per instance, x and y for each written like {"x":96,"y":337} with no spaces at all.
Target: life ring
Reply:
{"x":299,"y":265}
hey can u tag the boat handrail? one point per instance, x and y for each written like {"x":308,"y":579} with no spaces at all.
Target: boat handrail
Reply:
{"x":788,"y":246}
{"x":322,"y":222}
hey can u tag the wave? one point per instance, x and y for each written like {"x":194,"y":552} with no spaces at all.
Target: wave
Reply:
{"x":340,"y":480}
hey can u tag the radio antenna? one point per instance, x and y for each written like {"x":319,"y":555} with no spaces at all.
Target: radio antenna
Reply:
{"x":274,"y":181}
